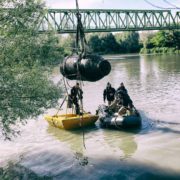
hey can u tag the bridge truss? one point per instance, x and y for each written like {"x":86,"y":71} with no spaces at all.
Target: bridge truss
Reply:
{"x":106,"y":20}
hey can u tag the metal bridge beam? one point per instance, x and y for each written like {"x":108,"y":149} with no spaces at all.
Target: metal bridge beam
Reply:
{"x":106,"y":20}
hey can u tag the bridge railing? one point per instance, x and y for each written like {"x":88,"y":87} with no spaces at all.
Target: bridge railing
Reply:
{"x":98,"y":20}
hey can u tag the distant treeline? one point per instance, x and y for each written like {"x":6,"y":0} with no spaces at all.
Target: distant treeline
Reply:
{"x":128,"y":42}
{"x":108,"y":43}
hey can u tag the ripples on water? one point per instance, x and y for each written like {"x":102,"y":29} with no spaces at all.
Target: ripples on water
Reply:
{"x":148,"y":153}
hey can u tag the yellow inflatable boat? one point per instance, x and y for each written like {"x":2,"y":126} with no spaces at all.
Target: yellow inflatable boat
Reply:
{"x":71,"y":121}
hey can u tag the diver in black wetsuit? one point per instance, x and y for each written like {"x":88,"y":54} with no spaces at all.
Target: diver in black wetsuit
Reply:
{"x":122,"y":88}
{"x":109,"y":93}
{"x":76,"y":94}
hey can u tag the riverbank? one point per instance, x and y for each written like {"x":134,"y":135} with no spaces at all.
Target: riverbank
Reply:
{"x":124,"y":56}
{"x":159,"y":50}
{"x":119,"y":56}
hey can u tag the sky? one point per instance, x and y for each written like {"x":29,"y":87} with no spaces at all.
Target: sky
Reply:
{"x":111,"y":4}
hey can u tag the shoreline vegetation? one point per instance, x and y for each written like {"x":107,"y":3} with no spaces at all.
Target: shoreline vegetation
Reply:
{"x":160,"y":50}
{"x":161,"y":42}
{"x":26,"y":62}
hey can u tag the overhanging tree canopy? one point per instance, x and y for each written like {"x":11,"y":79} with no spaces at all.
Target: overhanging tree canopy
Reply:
{"x":25,"y":88}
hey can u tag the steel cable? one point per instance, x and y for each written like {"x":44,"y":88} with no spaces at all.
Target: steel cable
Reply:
{"x":159,"y":7}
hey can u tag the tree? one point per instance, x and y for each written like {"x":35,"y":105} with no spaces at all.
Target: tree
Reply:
{"x":94,"y":43}
{"x":159,"y":40}
{"x":148,"y":41}
{"x":68,"y":43}
{"x":48,"y":49}
{"x":176,"y":39}
{"x":109,"y":43}
{"x":128,"y":42}
{"x":162,"y":39}
{"x":25,"y":88}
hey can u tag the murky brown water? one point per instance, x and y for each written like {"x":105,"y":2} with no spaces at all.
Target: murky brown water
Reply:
{"x":150,"y":152}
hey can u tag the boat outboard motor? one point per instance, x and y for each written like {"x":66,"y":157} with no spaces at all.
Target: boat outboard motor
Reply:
{"x":91,"y":67}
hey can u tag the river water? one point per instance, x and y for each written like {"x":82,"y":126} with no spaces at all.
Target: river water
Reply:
{"x":153,"y":151}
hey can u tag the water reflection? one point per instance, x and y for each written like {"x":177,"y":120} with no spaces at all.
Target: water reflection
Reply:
{"x":125,"y":70}
{"x":74,"y":139}
{"x":165,"y":64}
{"x":122,"y":140}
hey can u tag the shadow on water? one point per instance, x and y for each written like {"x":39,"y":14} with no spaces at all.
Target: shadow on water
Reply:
{"x":19,"y":172}
{"x":103,"y":169}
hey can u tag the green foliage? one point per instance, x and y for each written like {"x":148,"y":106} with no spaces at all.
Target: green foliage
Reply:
{"x":94,"y":43}
{"x":147,"y":43}
{"x":128,"y":41}
{"x":23,"y":16}
{"x":159,"y":50}
{"x":49,"y":51}
{"x":160,"y":39}
{"x":25,"y":56}
{"x":107,"y":43}
{"x":68,"y":44}
{"x":162,"y":42}
{"x":176,"y":39}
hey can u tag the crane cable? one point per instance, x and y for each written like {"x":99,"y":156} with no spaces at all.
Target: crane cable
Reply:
{"x":80,"y":35}
{"x":159,"y":7}
{"x":171,"y":4}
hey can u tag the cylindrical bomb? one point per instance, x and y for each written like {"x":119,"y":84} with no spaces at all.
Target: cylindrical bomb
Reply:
{"x":89,"y":68}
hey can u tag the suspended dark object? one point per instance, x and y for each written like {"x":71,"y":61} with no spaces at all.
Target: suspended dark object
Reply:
{"x":89,"y":68}
{"x":84,"y":66}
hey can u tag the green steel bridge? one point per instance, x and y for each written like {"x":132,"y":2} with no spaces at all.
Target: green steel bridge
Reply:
{"x":108,"y":20}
